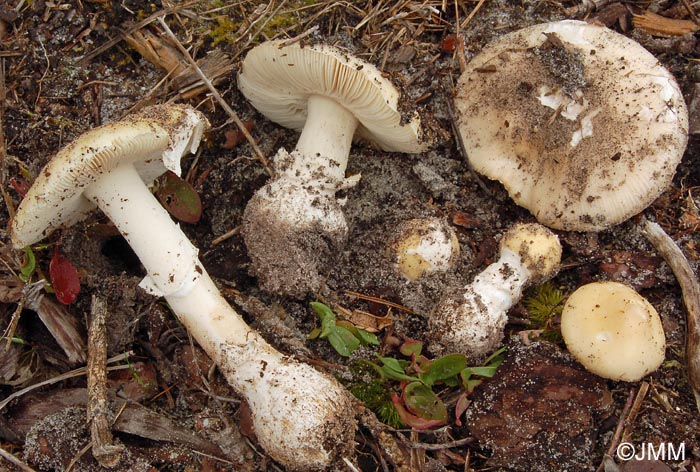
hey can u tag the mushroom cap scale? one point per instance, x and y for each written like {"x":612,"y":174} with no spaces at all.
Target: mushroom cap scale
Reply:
{"x":278,"y":79}
{"x":582,"y":125}
{"x":153,"y":140}
{"x":613,"y":331}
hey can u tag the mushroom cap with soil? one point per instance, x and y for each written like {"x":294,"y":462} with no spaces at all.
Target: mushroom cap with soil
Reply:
{"x":294,"y":226}
{"x":613,"y":331}
{"x":423,"y":246}
{"x":582,"y":125}
{"x":472,"y":321}
{"x":304,"y":419}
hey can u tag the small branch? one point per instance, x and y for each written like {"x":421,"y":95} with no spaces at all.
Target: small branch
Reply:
{"x":14,"y":461}
{"x":680,"y":266}
{"x":104,"y":450}
{"x":618,"y":430}
{"x":215,"y":93}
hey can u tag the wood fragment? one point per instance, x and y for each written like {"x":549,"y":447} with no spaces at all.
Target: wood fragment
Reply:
{"x":104,"y":449}
{"x":618,"y":431}
{"x":690,"y":288}
{"x":62,"y":324}
{"x":657,"y":25}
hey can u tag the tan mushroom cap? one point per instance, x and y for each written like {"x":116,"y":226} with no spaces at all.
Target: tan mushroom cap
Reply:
{"x":582,"y":125}
{"x":423,"y":246}
{"x":278,"y":79}
{"x":537,"y":247}
{"x":153,"y":140}
{"x":613,"y":331}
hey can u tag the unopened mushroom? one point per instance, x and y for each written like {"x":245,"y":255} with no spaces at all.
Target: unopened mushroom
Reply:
{"x":472,"y":321}
{"x":423,"y":246}
{"x":293,"y":227}
{"x":302,"y":417}
{"x":583,"y":126}
{"x":613,"y":331}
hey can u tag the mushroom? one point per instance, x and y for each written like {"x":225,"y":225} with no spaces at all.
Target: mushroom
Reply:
{"x":302,"y":418}
{"x":472,"y":322}
{"x":582,"y":125}
{"x":423,"y":246}
{"x":613,"y":331}
{"x":294,"y":227}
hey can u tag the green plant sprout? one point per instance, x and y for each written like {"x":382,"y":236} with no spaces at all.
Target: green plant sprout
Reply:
{"x":416,"y":404}
{"x":343,"y":336}
{"x":545,"y":304}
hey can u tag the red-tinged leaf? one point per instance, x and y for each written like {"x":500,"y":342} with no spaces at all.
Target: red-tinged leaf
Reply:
{"x":448,"y":43}
{"x":420,"y":364}
{"x":64,"y":278}
{"x":461,"y":406}
{"x":20,"y":185}
{"x":179,"y":198}
{"x":415,"y":422}
{"x":422,"y":401}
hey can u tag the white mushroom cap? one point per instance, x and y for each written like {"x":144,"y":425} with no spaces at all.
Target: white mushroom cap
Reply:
{"x":278,"y":80}
{"x":423,"y":246}
{"x":613,"y":331}
{"x":582,"y":125}
{"x":153,"y":140}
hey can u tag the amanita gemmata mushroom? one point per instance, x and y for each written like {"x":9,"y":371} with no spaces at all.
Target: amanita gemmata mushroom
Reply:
{"x":294,"y":226}
{"x":423,"y":246}
{"x":472,"y":321}
{"x":613,"y":331}
{"x":582,"y":125}
{"x":303,"y":418}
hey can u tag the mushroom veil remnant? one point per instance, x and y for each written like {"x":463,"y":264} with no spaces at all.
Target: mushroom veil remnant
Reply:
{"x":303,"y":418}
{"x":294,"y":226}
{"x":472,"y":321}
{"x":613,"y":331}
{"x":583,"y":126}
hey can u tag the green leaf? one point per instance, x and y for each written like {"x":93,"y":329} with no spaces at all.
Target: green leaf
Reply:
{"x":496,"y":358}
{"x":314,"y":333}
{"x":484,"y":371}
{"x":444,"y":368}
{"x":411,"y":348}
{"x":367,"y":338}
{"x":422,"y":401}
{"x":28,"y":264}
{"x":395,"y":369}
{"x":179,"y":198}
{"x":343,"y":341}
{"x":323,"y":311}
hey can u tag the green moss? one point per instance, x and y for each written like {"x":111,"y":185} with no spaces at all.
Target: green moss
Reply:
{"x":545,"y":304}
{"x":224,"y":31}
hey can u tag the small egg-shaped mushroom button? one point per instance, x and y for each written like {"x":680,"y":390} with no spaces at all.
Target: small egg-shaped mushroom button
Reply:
{"x":582,"y":125}
{"x":422,"y":246}
{"x":302,"y":417}
{"x":294,"y":226}
{"x":613,"y":331}
{"x":472,"y":321}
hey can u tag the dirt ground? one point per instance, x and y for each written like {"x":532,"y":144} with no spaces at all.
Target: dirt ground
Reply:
{"x":72,"y":66}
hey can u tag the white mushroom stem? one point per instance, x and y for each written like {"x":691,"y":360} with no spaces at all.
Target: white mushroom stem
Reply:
{"x":302,"y":418}
{"x":473,"y":322}
{"x":324,"y":144}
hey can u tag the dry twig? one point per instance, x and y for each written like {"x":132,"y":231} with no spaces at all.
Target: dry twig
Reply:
{"x":215,"y":93}
{"x":690,"y":287}
{"x":105,"y":451}
{"x":618,"y":430}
